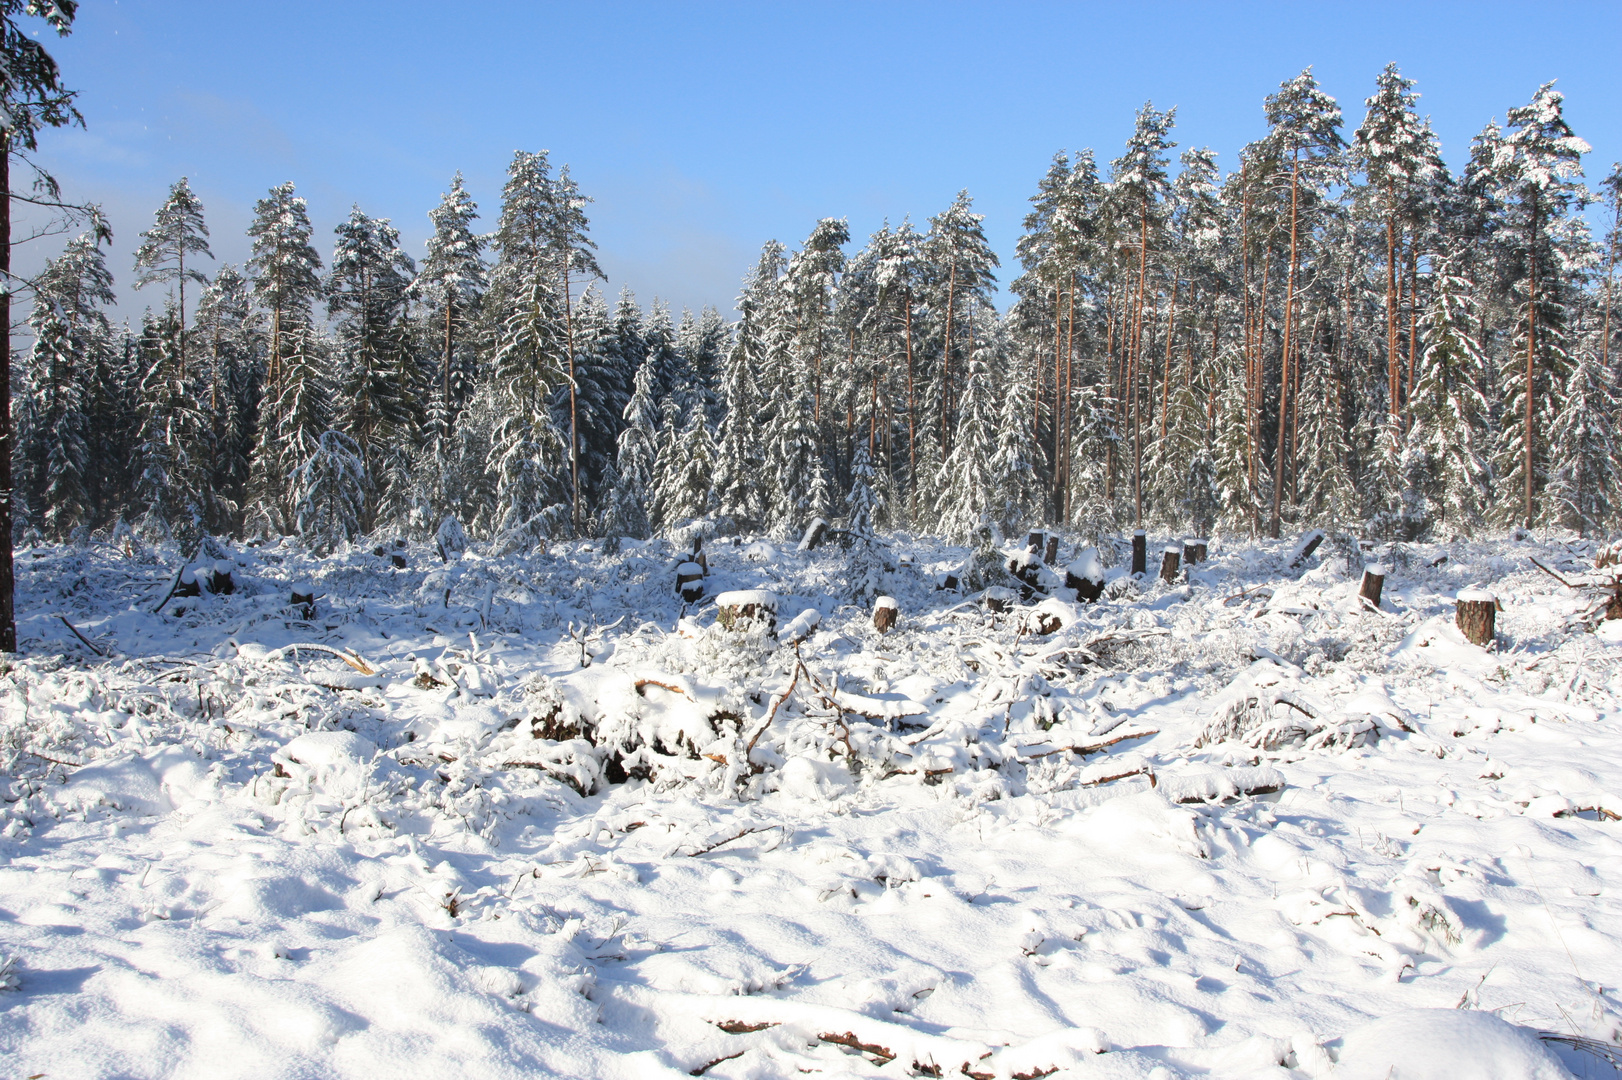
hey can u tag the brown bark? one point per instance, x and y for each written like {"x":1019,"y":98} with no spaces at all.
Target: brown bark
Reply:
{"x":1476,"y":618}
{"x":1280,"y":459}
{"x":8,"y":620}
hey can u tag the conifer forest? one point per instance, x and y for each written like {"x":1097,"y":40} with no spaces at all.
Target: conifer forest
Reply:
{"x":450,"y":663}
{"x":1326,"y":328}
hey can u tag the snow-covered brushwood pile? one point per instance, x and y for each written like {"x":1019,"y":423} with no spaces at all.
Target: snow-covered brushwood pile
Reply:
{"x":540,"y":815}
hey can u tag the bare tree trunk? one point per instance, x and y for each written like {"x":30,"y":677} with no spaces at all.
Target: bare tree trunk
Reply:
{"x":1069,"y":386}
{"x":1413,"y":315}
{"x":912,"y":407}
{"x":946,"y":360}
{"x":1279,"y":456}
{"x":1134,"y":360}
{"x":1393,"y":364}
{"x":1531,"y":357}
{"x":8,"y":617}
{"x":574,"y":424}
{"x":1165,"y":383}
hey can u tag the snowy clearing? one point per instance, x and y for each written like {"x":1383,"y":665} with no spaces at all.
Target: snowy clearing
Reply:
{"x":517,"y":816}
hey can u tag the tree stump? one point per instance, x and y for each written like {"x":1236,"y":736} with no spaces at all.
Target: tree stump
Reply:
{"x":1201,"y":550}
{"x":1086,"y":576}
{"x":1025,"y":569}
{"x":188,"y":584}
{"x":737,"y":610}
{"x":998,"y":600}
{"x":302,"y":596}
{"x":1190,"y":556}
{"x":398,"y":560}
{"x":1050,"y":554}
{"x":813,"y":535}
{"x":1168,"y":563}
{"x":1140,"y":553}
{"x":1373,"y":583}
{"x":220,"y":582}
{"x":690,"y":582}
{"x":947,"y":583}
{"x":886,"y":612}
{"x":698,"y":556}
{"x":1308,"y":544}
{"x":1477,"y":615}
{"x":1034,"y":542}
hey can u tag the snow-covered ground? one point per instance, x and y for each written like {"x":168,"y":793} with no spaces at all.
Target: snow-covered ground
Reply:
{"x":538,"y":820}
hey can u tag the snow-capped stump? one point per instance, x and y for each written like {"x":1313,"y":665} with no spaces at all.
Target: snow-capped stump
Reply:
{"x":698,"y":556}
{"x":998,"y":599}
{"x":885,"y":613}
{"x":1373,"y":583}
{"x":302,"y":596}
{"x":1202,"y":549}
{"x":451,"y":539}
{"x":1050,"y":553}
{"x":1476,"y":615}
{"x":737,"y":610}
{"x":220,"y":582}
{"x":801,"y":626}
{"x":188,"y":584}
{"x":814,"y":533}
{"x":1049,"y":617}
{"x":1305,"y":547}
{"x":947,"y":583}
{"x":1140,"y":552}
{"x":1026,"y":568}
{"x":1086,"y":575}
{"x":690,"y":582}
{"x":1169,"y":559}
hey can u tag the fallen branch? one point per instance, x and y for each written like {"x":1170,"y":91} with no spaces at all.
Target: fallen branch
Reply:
{"x":1093,"y":748}
{"x":55,"y":761}
{"x":776,"y":704}
{"x":1560,"y":579}
{"x":727,"y":840}
{"x":849,"y":1039}
{"x":706,"y":1067}
{"x":351,"y":659}
{"x":640,"y":683}
{"x":80,"y":636}
{"x":1143,"y":770}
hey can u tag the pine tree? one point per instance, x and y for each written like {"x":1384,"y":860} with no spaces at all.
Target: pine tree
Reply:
{"x":171,"y":485}
{"x":378,"y":380}
{"x":1584,"y":476}
{"x":286,"y":280}
{"x":1449,"y":411}
{"x":964,"y":266}
{"x":230,"y":357}
{"x":1016,"y":493}
{"x":450,"y":285}
{"x":72,"y":345}
{"x":178,"y":232}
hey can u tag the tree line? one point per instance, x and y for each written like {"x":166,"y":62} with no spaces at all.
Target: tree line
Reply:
{"x":1336,"y":331}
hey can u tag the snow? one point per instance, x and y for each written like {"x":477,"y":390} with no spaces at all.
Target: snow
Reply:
{"x":1467,"y":596}
{"x":885,"y":602}
{"x":1244,"y":827}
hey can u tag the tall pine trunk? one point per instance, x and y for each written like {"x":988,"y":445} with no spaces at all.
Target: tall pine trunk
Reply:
{"x":8,"y":618}
{"x":1531,"y":357}
{"x":1280,"y":457}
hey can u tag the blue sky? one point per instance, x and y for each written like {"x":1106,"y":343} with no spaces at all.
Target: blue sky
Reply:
{"x":703,"y":129}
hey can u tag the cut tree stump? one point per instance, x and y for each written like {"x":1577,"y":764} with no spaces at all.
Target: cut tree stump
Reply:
{"x":813,"y":535}
{"x":698,"y":555}
{"x":1202,"y":550}
{"x":187,"y":585}
{"x":690,"y":582}
{"x":398,"y":560}
{"x":885,"y":614}
{"x":1373,"y":583}
{"x":1308,"y":545}
{"x":1477,"y":615}
{"x":1190,"y":556}
{"x":1086,"y":576}
{"x":302,"y":596}
{"x":1050,"y":554}
{"x":220,"y":582}
{"x":1140,"y":553}
{"x":998,"y":600}
{"x":1035,"y":541}
{"x":736,"y":610}
{"x":1168,"y":563}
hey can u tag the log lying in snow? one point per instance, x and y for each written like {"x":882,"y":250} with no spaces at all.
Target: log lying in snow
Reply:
{"x":1373,"y":583}
{"x":1140,"y":552}
{"x":737,"y":610}
{"x":885,"y":613}
{"x":1476,"y":615}
{"x":690,"y":582}
{"x":1168,"y":563}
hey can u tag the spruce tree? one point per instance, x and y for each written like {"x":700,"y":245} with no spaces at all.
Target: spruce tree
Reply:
{"x":628,"y":509}
{"x":450,"y":286}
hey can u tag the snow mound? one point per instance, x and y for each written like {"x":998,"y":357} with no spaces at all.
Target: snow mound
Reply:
{"x":1445,"y":1044}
